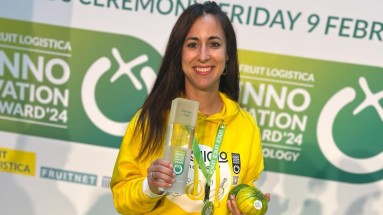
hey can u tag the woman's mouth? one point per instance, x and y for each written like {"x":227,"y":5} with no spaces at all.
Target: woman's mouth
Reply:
{"x":203,"y":70}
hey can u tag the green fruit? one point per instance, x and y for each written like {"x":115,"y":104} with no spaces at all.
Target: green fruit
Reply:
{"x":251,"y":201}
{"x":237,"y":188}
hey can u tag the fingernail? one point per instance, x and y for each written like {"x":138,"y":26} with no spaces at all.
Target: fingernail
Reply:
{"x":173,"y":180}
{"x":174,"y":175}
{"x":171,"y":166}
{"x":170,"y":185}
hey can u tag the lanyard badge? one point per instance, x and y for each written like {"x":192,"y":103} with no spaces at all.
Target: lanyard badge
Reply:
{"x":208,"y":206}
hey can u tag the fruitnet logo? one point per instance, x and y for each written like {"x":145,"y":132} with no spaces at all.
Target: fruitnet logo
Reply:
{"x":330,"y":146}
{"x":141,"y":79}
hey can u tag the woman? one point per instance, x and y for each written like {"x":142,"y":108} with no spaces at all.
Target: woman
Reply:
{"x":200,"y":64}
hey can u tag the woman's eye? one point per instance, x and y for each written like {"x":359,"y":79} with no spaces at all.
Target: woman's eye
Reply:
{"x":192,"y":45}
{"x":213,"y":44}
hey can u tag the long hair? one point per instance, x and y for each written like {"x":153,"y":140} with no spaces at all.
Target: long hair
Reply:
{"x":170,"y":82}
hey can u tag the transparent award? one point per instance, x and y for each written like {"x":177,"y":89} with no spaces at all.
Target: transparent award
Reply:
{"x":179,"y":140}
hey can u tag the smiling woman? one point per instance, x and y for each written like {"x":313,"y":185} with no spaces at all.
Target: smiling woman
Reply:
{"x":204,"y":59}
{"x":200,"y":64}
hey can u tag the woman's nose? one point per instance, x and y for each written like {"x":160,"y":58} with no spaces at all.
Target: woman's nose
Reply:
{"x":204,"y":54}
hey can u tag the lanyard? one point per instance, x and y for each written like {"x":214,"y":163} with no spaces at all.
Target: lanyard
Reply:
{"x":213,"y":161}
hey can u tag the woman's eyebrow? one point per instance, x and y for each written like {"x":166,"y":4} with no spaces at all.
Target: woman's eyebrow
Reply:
{"x":210,"y":38}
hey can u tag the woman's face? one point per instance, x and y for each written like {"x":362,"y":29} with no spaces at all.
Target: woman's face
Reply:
{"x":204,"y":55}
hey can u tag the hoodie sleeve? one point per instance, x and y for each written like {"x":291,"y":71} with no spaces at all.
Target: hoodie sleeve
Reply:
{"x":256,"y":163}
{"x":128,"y":176}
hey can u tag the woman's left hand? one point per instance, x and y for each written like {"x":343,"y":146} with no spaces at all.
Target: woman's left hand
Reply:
{"x":232,"y":206}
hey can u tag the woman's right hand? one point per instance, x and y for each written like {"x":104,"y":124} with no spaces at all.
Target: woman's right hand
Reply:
{"x":160,"y":174}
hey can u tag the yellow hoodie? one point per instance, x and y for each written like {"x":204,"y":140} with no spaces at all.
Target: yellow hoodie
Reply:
{"x":240,"y":161}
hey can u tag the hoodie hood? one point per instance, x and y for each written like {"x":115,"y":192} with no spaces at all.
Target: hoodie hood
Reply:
{"x":229,"y":111}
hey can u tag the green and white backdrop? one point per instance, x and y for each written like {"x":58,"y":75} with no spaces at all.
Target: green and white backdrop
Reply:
{"x":72,"y":73}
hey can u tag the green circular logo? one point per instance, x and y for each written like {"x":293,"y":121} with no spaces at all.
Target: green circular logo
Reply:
{"x":117,"y":81}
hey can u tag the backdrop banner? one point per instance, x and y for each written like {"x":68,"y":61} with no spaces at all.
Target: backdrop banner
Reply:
{"x":73,"y":73}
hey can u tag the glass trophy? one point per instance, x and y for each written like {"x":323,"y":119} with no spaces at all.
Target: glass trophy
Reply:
{"x":179,"y":140}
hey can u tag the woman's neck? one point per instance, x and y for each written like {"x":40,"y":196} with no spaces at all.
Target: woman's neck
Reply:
{"x":209,"y":103}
